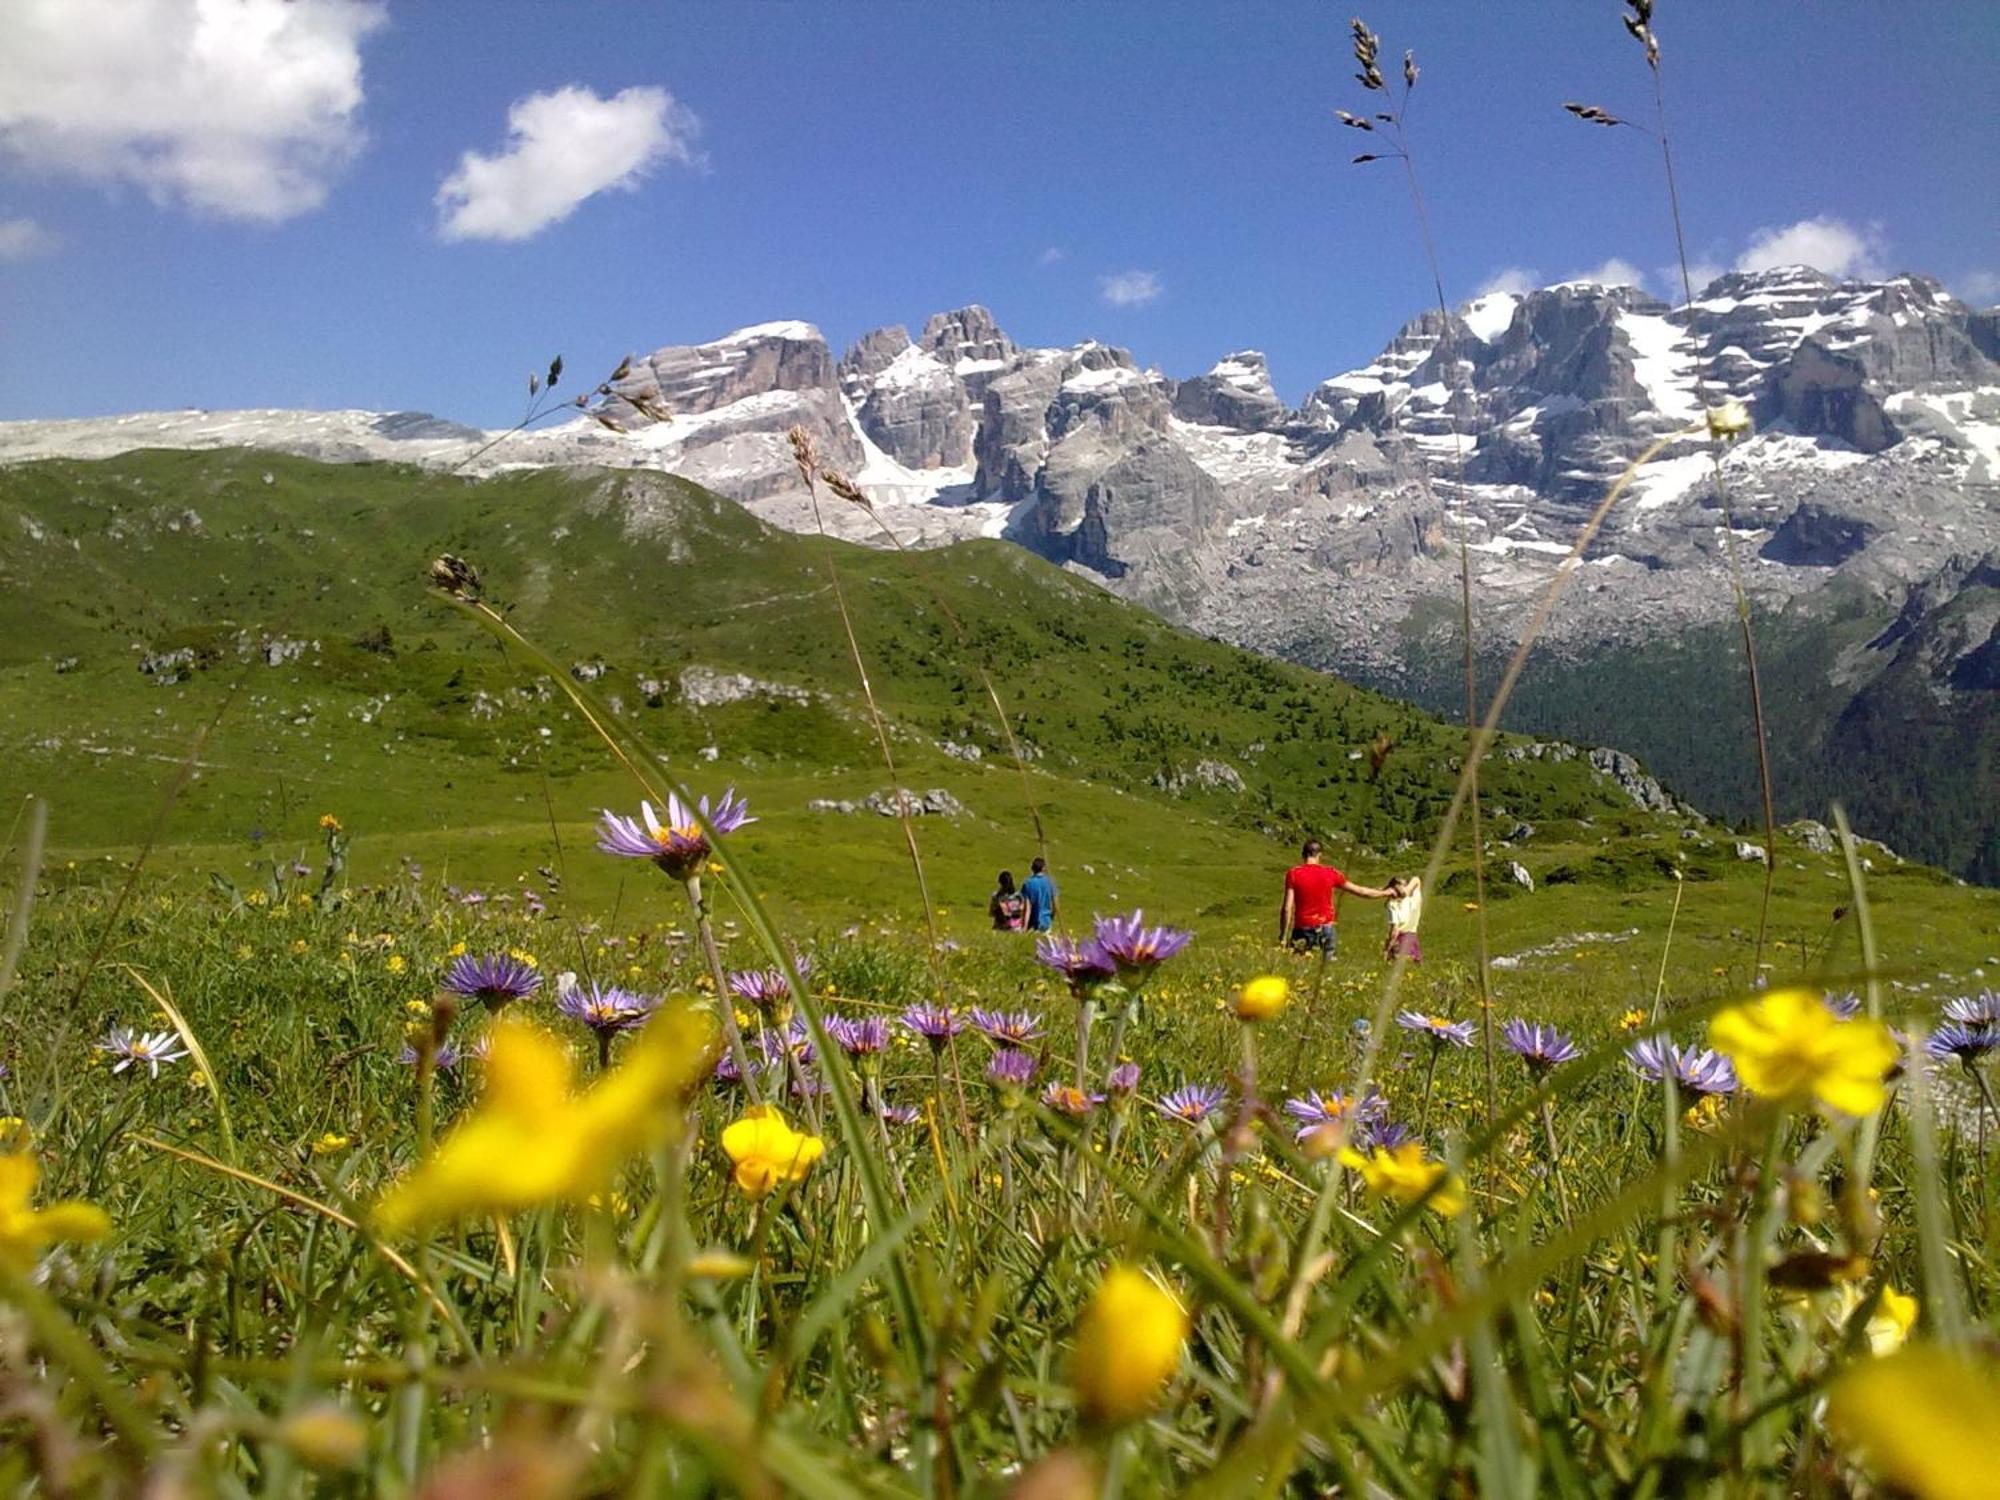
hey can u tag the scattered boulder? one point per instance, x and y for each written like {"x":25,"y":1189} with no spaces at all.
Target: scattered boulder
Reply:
{"x":704,"y":687}
{"x":1517,"y":872}
{"x":936,"y":803}
{"x":1749,"y":852}
{"x":587,"y":671}
{"x":971,"y":754}
{"x":1815,"y":837}
{"x":1207,"y":775}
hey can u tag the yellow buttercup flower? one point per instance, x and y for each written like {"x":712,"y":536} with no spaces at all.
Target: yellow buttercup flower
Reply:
{"x":15,"y":1133}
{"x":456,"y":950}
{"x":329,"y":822}
{"x":329,"y":1144}
{"x":25,"y":1231}
{"x":1788,"y":1046}
{"x":765,"y":1151}
{"x":532,"y":1141}
{"x":1888,"y":1326}
{"x":1127,"y":1346}
{"x":1263,"y":998}
{"x":1402,"y":1173}
{"x":1923,"y":1418}
{"x":397,"y":963}
{"x":1632,"y":1020}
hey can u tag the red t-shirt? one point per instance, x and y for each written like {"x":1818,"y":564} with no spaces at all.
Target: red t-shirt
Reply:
{"x":1312,"y":888}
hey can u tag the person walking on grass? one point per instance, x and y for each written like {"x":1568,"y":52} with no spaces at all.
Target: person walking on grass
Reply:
{"x":1007,"y":907}
{"x":1040,"y":890}
{"x":1309,"y":915}
{"x":1406,"y":910}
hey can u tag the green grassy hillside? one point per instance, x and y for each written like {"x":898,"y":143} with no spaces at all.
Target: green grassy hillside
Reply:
{"x":284,"y":602}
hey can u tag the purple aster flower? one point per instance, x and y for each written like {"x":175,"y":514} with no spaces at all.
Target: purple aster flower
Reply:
{"x":448,"y":1057}
{"x":605,"y":1009}
{"x":1192,"y":1103}
{"x":1846,"y":1005}
{"x":1385,"y":1135}
{"x":679,"y":845}
{"x":859,"y":1036}
{"x":1696,"y":1071}
{"x":495,"y":980}
{"x":1016,"y":1028}
{"x":726,"y":1070}
{"x":1440,"y":1029}
{"x":901,"y":1114}
{"x":1541,"y":1047}
{"x":1982,"y":1009}
{"x":792,"y":1037}
{"x":1083,"y":964}
{"x":1010,"y":1069}
{"x":1067,"y":1100}
{"x":936,"y":1024}
{"x":1134,"y":947}
{"x":1315,"y":1110}
{"x":1967,"y":1041}
{"x":1123,"y":1079}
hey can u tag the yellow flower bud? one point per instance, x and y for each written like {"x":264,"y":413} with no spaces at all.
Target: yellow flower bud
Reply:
{"x":1127,"y":1346}
{"x":1263,"y":998}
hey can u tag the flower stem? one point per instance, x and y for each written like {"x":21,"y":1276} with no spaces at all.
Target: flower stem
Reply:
{"x":732,"y":1033}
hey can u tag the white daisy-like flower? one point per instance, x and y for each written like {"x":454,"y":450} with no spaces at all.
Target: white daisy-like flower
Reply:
{"x":142,"y":1049}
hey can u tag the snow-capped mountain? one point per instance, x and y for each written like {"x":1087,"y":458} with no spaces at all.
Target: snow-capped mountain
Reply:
{"x":1330,"y":532}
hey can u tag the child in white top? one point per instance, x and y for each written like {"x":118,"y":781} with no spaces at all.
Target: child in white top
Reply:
{"x":1406,"y":910}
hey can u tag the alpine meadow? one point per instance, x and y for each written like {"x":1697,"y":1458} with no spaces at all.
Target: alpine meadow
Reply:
{"x":504,"y":989}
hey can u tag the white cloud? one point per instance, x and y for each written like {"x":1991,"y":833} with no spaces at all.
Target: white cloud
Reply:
{"x":24,"y":239}
{"x":1614,"y":272}
{"x":1514,"y":279}
{"x":1130,"y":288}
{"x":562,"y":147}
{"x":242,"y":108}
{"x":1824,"y":243}
{"x":1050,"y":256}
{"x":1979,"y":287}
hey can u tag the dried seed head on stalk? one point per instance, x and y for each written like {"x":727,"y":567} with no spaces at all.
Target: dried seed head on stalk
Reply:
{"x":1354,"y":122}
{"x":1639,"y":23}
{"x":845,"y":488}
{"x":555,"y":371}
{"x":455,"y":576}
{"x":803,"y":455}
{"x":1410,"y":69}
{"x":1366,"y":46}
{"x":1592,"y":114}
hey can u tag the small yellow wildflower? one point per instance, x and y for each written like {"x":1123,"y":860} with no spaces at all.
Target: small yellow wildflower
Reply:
{"x":329,"y":822}
{"x":1705,"y":1114}
{"x":1263,"y":998}
{"x":1401,"y":1172}
{"x":718,"y":1265}
{"x":1788,"y":1046}
{"x":419,"y":1009}
{"x":329,"y":1144}
{"x":523,"y":956}
{"x":299,"y":945}
{"x":532,"y":1141}
{"x":255,"y":898}
{"x":1128,"y":1346}
{"x":765,"y":1151}
{"x":26,"y":1231}
{"x":1923,"y":1418}
{"x":1632,"y":1020}
{"x":397,"y":963}
{"x":1728,"y":421}
{"x":244,"y":950}
{"x":456,"y":950}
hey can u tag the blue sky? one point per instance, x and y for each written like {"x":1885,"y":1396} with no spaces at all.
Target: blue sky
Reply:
{"x":870,"y":163}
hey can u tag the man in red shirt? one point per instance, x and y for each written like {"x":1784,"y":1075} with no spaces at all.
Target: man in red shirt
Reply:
{"x":1311,"y":911}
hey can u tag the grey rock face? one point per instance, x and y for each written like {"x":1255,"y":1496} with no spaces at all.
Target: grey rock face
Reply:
{"x":1236,"y":393}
